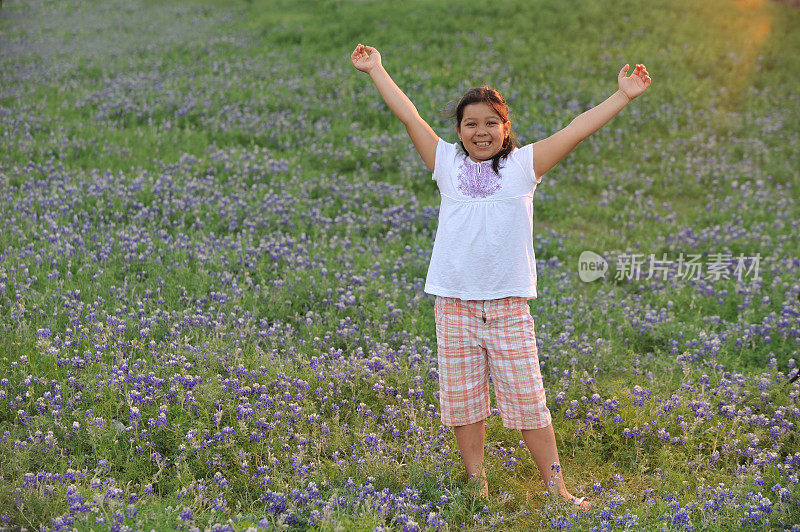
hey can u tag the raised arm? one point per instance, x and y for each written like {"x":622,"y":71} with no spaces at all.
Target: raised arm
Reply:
{"x":548,"y":152}
{"x":368,"y":59}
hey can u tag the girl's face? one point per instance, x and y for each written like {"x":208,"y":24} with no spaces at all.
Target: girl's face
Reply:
{"x":482,"y":131}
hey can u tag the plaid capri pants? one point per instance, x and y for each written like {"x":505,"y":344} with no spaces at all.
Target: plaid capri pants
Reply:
{"x":477,"y":337}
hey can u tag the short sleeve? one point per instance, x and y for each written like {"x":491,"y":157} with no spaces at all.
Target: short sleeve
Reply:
{"x":444,"y":159}
{"x":526,"y":160}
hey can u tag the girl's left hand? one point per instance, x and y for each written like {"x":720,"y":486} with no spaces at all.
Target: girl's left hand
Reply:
{"x":636,"y":83}
{"x":365,"y":58}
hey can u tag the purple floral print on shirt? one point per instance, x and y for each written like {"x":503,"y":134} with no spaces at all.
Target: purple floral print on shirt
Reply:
{"x":478,"y":180}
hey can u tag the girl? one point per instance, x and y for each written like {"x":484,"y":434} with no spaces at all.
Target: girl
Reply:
{"x":482,"y":269}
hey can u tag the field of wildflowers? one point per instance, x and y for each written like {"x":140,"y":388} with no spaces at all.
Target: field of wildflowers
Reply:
{"x":214,"y":238}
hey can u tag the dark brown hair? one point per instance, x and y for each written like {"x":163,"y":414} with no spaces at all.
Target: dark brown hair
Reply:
{"x":495,"y":100}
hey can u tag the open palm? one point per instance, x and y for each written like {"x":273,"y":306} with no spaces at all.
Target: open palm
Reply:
{"x":365,"y":58}
{"x":636,"y":83}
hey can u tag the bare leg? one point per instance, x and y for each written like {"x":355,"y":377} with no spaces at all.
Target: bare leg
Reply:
{"x":470,"y":439}
{"x":542,"y":445}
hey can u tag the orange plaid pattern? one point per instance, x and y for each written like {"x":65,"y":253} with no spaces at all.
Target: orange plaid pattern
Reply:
{"x":475,"y":338}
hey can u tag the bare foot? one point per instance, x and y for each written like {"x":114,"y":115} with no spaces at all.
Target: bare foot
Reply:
{"x":483,"y":491}
{"x":580,"y":502}
{"x":481,"y":486}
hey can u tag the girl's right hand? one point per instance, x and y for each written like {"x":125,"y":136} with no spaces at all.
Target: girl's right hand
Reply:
{"x":365,"y":58}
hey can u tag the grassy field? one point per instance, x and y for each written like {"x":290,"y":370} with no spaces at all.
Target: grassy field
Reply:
{"x":214,"y":238}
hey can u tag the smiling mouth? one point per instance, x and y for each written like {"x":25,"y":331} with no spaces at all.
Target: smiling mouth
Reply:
{"x":483,"y":144}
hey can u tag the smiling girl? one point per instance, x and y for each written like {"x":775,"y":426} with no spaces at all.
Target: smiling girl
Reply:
{"x":483,"y":268}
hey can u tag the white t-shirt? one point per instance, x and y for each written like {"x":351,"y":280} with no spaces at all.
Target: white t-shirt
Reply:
{"x":484,"y":243}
